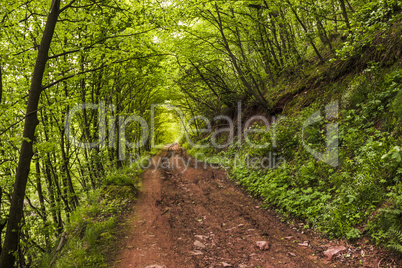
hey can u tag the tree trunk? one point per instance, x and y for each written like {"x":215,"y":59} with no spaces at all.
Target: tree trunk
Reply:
{"x":344,"y":13}
{"x":119,"y":162}
{"x":323,"y":35}
{"x":11,"y":240}
{"x":59,"y":196}
{"x":73,"y":199}
{"x":42,"y":203}
{"x":1,"y":83}
{"x":51,"y":197}
{"x":2,"y":224}
{"x":307,"y":33}
{"x":257,"y":95}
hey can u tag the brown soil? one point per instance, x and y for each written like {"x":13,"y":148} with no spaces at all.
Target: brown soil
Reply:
{"x":180,"y":206}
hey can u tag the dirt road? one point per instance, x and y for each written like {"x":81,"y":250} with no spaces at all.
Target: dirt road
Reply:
{"x":196,"y":217}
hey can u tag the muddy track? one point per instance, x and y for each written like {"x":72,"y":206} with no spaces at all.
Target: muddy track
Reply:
{"x":195,"y":217}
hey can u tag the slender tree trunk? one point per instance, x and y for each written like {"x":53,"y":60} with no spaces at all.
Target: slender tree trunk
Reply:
{"x":73,"y":199}
{"x":257,"y":95}
{"x":1,"y":81}
{"x":275,"y":37}
{"x":344,"y":13}
{"x":334,"y":7}
{"x":119,"y":163}
{"x":46,"y":165}
{"x":96,"y":162}
{"x":82,"y":174}
{"x":2,"y":224}
{"x":51,"y":173}
{"x":1,"y":190}
{"x":323,"y":35}
{"x":42,"y":202}
{"x":307,"y":33}
{"x":11,"y":240}
{"x":51,"y":195}
{"x":351,"y":8}
{"x":90,"y":173}
{"x":59,"y":196}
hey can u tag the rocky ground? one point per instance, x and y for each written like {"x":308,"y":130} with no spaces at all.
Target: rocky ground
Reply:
{"x":196,"y":217}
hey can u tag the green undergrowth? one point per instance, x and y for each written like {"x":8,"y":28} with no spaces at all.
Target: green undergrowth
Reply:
{"x":362,"y":193}
{"x":374,"y":46}
{"x":92,"y":230}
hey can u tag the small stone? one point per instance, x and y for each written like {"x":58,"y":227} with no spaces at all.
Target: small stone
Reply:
{"x":198,"y":244}
{"x":262,"y":245}
{"x":224,"y":264}
{"x":304,"y":244}
{"x":196,"y":253}
{"x":331,"y":251}
{"x":288,"y":237}
{"x":201,"y":237}
{"x":292,"y":254}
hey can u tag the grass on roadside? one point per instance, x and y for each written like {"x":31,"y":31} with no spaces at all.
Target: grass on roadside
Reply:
{"x":92,"y":231}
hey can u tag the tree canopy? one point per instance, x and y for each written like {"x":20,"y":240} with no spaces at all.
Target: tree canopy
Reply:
{"x":95,"y":64}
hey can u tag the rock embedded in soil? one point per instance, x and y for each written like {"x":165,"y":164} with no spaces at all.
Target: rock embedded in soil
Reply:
{"x":201,"y":237}
{"x":331,"y":251}
{"x":196,"y":253}
{"x":198,"y":244}
{"x":262,"y":245}
{"x":304,"y":244}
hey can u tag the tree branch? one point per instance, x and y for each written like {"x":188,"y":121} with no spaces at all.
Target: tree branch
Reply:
{"x":98,"y":68}
{"x":67,"y":6}
{"x":97,"y":42}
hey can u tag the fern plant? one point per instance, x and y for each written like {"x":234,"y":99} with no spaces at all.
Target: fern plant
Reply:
{"x":395,"y":236}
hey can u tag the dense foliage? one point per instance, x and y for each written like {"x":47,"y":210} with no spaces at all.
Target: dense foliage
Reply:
{"x":302,"y":57}
{"x":102,"y":53}
{"x":120,"y":57}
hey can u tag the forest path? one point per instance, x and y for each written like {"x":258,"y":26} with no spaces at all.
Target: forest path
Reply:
{"x":196,"y":217}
